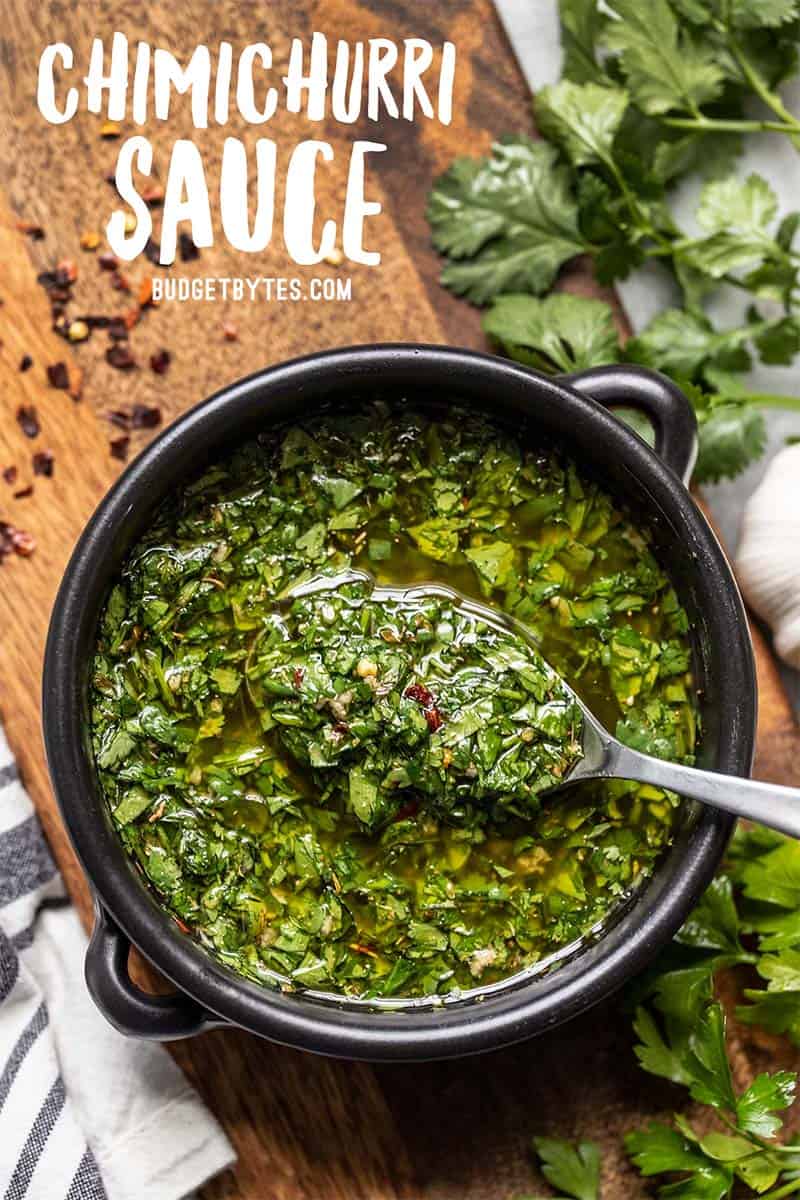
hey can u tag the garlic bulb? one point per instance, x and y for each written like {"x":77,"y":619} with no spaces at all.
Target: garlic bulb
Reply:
{"x":768,"y":559}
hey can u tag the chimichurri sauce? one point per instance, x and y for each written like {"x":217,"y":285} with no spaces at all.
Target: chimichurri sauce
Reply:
{"x":336,"y":792}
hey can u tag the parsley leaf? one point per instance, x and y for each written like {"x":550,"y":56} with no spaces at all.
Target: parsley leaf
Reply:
{"x":583,"y":118}
{"x":514,"y":216}
{"x":714,"y":922}
{"x":732,"y":435}
{"x":649,"y":94}
{"x":712,"y":1083}
{"x":575,"y":1170}
{"x":655,"y":1054}
{"x":582,"y":22}
{"x":773,"y":875}
{"x":766,"y":1095}
{"x":737,"y":213}
{"x":762,"y":14}
{"x":778,"y":1008}
{"x":665,"y":67}
{"x":779,"y":342}
{"x":659,"y":1149}
{"x":746,"y":206}
{"x":682,"y":343}
{"x":560,"y":332}
{"x":494,"y":563}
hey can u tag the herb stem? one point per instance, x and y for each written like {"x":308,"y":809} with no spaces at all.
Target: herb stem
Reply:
{"x":788,"y":1189}
{"x":753,"y":77}
{"x":722,"y":125}
{"x":774,"y":400}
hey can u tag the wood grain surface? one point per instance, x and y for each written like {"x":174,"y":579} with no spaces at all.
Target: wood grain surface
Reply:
{"x":304,"y":1128}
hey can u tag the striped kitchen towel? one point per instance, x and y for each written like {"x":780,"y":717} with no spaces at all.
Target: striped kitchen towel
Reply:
{"x":85,"y":1114}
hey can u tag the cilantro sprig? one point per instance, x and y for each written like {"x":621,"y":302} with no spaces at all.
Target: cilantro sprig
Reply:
{"x":650,"y":93}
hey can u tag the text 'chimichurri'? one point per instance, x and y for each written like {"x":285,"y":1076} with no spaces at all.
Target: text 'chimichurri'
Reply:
{"x":343,"y":789}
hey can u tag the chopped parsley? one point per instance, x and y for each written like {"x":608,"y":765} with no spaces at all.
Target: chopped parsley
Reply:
{"x":340,"y":792}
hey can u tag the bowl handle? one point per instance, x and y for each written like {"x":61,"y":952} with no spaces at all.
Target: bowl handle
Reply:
{"x":131,"y":1010}
{"x":652,"y":394}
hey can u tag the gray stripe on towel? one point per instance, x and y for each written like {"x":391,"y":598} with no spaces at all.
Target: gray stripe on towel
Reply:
{"x":87,"y":1184}
{"x":8,"y":774}
{"x":25,"y":861}
{"x":37,"y":1023}
{"x":9,"y":966}
{"x":37,"y":1138}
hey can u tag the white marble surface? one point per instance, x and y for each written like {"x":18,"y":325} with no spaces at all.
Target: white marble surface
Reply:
{"x":532,"y":27}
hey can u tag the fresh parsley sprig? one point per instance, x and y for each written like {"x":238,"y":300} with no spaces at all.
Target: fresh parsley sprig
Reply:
{"x":749,"y":917}
{"x":650,"y":93}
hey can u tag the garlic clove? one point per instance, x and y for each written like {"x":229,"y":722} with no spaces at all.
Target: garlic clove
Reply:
{"x":768,"y":559}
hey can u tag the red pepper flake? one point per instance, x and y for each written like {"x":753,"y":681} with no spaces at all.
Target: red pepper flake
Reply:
{"x":28,"y":420}
{"x":297,"y":678}
{"x":66,"y":271}
{"x":58,"y":376}
{"x":23,"y":493}
{"x":31,"y":229}
{"x":56,"y":283}
{"x":15,"y":541}
{"x":152,"y":252}
{"x":434,"y":719}
{"x":118,"y":355}
{"x":416,"y":691}
{"x":184,"y":928}
{"x":187,"y":248}
{"x":43,"y":462}
{"x":75,"y":382}
{"x":25,"y":363}
{"x":131,"y":316}
{"x":408,"y":810}
{"x":145,"y":416}
{"x":119,"y":448}
{"x":23,"y":542}
{"x":145,"y":295}
{"x":120,"y":282}
{"x":117,"y":329}
{"x":159,"y":362}
{"x":10,"y":474}
{"x":230,"y":332}
{"x":107,"y":261}
{"x":154,"y":196}
{"x":424,"y":698}
{"x":119,"y":418}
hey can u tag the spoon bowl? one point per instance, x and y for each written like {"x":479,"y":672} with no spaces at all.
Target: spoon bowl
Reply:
{"x":602,"y":755}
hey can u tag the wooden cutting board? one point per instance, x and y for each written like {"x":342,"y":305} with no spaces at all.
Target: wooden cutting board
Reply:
{"x":304,"y":1128}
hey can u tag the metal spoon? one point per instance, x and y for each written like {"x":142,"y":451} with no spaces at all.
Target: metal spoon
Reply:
{"x":604,"y":757}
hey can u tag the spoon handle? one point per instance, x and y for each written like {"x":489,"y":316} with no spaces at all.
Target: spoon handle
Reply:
{"x":768,"y":803}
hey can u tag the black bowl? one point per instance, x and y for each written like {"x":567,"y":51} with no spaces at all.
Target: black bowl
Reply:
{"x":572,"y":413}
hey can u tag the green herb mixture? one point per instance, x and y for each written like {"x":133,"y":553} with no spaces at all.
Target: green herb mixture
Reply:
{"x":400,"y":702}
{"x":335,"y":792}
